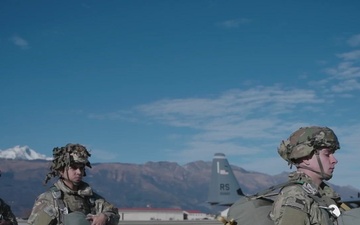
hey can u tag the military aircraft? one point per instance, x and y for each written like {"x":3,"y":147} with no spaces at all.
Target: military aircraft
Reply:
{"x":224,"y":188}
{"x":352,"y":202}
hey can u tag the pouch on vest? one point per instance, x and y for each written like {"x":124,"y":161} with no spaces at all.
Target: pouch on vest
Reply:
{"x":247,"y":211}
{"x":43,"y":218}
{"x":75,"y":218}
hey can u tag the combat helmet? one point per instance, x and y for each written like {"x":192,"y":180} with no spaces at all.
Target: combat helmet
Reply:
{"x":65,"y":156}
{"x":305,"y":141}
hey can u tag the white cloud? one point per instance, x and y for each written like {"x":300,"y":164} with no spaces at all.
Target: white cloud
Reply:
{"x":234,"y":120}
{"x":233,"y":23}
{"x":269,"y":165}
{"x":354,"y":40}
{"x":20,"y":42}
{"x":118,"y":115}
{"x":345,"y":75}
{"x":353,"y":55}
{"x":233,"y":106}
{"x":101,"y":155}
{"x":346,"y":70}
{"x":345,"y":86}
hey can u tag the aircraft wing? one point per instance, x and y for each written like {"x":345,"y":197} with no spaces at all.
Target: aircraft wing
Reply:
{"x":352,"y":202}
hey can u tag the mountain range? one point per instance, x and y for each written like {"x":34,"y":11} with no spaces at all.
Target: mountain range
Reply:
{"x":152,"y":184}
{"x":22,"y":152}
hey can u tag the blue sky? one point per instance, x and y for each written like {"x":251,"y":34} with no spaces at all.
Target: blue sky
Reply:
{"x":139,"y":81}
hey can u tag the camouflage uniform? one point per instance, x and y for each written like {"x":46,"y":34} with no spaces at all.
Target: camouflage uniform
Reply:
{"x":6,"y":214}
{"x":300,"y":203}
{"x":46,"y":209}
{"x":61,"y":205}
{"x":304,"y":203}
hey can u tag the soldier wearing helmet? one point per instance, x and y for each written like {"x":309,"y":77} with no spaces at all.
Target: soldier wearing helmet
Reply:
{"x":71,"y":200}
{"x":7,"y":217}
{"x":308,"y":199}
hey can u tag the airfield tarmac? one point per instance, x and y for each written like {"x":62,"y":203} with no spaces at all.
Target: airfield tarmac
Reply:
{"x":161,"y":222}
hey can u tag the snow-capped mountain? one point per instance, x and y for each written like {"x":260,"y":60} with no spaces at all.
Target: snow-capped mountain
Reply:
{"x":23,"y":152}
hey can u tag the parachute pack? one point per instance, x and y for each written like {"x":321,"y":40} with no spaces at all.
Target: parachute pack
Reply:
{"x":247,"y":211}
{"x":255,"y":209}
{"x":350,"y":217}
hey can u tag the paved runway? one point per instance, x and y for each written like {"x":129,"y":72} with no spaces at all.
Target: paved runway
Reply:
{"x":160,"y":222}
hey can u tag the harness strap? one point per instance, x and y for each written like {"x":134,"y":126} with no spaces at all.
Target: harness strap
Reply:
{"x":273,"y":188}
{"x":63,"y":210}
{"x":325,"y":209}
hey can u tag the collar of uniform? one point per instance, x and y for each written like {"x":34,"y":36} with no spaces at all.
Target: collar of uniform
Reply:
{"x":328,"y":191}
{"x":305,"y":180}
{"x":84,"y":189}
{"x":308,"y":185}
{"x":300,"y":177}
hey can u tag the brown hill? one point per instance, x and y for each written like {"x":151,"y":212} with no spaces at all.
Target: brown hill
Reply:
{"x":158,"y":184}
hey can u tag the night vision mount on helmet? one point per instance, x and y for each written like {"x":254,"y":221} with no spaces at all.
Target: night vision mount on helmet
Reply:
{"x":305,"y":141}
{"x":66,"y":156}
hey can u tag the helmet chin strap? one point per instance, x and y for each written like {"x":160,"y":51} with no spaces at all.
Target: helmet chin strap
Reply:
{"x":321,"y":173}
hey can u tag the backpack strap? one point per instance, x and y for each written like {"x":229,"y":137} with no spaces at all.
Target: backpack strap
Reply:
{"x":265,"y":193}
{"x":57,"y":195}
{"x":329,"y":212}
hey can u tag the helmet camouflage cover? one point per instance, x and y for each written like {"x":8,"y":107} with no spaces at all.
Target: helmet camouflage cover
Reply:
{"x":66,"y":156}
{"x":305,"y":140}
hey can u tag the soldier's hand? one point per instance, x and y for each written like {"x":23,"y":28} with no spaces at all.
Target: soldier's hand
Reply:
{"x":99,"y":219}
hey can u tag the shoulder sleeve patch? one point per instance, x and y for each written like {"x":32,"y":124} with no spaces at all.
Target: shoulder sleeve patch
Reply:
{"x":50,"y":210}
{"x":295,"y":203}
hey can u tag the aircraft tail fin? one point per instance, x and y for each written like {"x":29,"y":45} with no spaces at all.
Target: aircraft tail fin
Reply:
{"x":224,"y":188}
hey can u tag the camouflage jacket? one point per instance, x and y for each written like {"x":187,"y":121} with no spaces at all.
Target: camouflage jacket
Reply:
{"x":46,"y":210}
{"x":6,"y":213}
{"x":303,"y":203}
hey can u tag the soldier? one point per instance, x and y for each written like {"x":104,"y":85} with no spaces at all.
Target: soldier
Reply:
{"x":6,"y":215}
{"x":71,"y":201}
{"x":309,"y":200}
